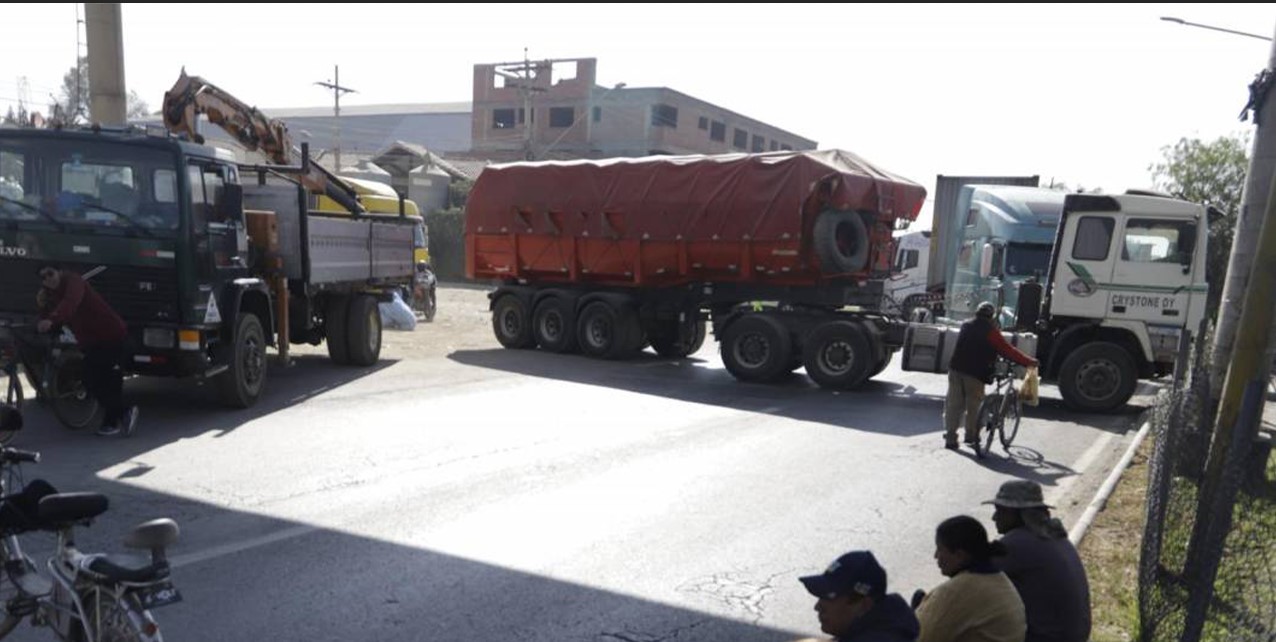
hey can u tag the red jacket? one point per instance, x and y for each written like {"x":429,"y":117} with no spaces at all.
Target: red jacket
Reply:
{"x":79,"y":307}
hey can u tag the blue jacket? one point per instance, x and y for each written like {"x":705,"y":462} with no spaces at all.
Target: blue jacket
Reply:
{"x":890,"y":620}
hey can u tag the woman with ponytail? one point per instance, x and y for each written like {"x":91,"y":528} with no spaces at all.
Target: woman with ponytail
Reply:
{"x":977,"y":603}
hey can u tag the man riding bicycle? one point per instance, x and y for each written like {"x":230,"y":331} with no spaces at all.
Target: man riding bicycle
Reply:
{"x":67,"y":299}
{"x":973,"y":363}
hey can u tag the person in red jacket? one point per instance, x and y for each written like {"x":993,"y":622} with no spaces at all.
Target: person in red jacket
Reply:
{"x":971,"y":368}
{"x":101,"y":335}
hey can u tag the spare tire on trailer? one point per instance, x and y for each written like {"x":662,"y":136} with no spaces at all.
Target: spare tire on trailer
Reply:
{"x":841,"y":241}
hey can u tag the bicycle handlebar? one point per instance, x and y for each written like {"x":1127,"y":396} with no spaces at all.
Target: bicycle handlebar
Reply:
{"x":14,"y":455}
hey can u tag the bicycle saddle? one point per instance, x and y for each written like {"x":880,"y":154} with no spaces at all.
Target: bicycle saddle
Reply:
{"x":65,"y":509}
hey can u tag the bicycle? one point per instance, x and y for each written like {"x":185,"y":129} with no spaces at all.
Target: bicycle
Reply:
{"x":54,"y":367}
{"x":85,"y":597}
{"x":1000,"y":411}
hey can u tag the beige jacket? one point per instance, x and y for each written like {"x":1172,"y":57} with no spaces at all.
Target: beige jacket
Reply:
{"x":973,"y":607}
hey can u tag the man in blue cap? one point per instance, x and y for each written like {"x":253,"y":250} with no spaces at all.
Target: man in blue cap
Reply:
{"x":853,"y":605}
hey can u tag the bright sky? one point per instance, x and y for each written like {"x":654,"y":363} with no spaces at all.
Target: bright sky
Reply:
{"x":1085,"y":94}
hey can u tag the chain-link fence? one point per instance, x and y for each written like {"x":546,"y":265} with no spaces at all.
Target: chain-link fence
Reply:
{"x":1180,"y":552}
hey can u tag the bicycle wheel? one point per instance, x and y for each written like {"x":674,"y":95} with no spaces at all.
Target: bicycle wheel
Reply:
{"x":71,"y":401}
{"x":1010,"y":418}
{"x":13,"y":398}
{"x":987,"y":423}
{"x":992,"y":426}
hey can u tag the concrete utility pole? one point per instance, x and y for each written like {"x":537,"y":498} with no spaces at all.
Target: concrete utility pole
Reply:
{"x":108,"y":102}
{"x":337,"y":91}
{"x":1249,"y":221}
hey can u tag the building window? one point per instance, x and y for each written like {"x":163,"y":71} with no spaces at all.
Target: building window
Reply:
{"x":704,"y":122}
{"x":664,"y":116}
{"x":561,"y":116}
{"x":775,"y":145}
{"x":786,"y":148}
{"x":502,"y":118}
{"x":598,"y":114}
{"x":740,"y":139}
{"x":759,"y":143}
{"x":718,"y":132}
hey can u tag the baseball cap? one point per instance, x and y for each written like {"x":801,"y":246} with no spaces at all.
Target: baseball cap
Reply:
{"x":1019,"y":493}
{"x":855,"y":572}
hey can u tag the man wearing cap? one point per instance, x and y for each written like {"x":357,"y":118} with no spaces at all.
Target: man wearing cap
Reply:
{"x":853,"y":605}
{"x":1043,"y":565}
{"x":971,"y":368}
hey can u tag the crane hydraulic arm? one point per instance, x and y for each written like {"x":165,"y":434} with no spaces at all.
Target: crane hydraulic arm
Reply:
{"x":192,"y":96}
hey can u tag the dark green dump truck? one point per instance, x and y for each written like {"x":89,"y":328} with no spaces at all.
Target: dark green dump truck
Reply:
{"x":209,"y":261}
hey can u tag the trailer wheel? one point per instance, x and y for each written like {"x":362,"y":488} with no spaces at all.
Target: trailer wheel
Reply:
{"x":676,"y":340}
{"x":757,"y":347}
{"x":608,"y":332}
{"x":512,"y":324}
{"x":242,"y":383}
{"x":552,"y":325}
{"x":363,"y":331}
{"x":841,"y":241}
{"x":838,"y":355}
{"x":1098,"y":377}
{"x":335,"y":329}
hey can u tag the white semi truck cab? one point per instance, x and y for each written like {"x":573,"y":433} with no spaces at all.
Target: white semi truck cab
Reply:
{"x":1126,"y":281}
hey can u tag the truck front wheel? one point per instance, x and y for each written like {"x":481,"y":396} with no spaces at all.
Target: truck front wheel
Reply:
{"x":1098,"y":377}
{"x":241,"y":384}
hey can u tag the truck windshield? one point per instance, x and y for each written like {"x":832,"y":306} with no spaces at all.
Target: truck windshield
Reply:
{"x":1027,"y":259}
{"x":86,"y":183}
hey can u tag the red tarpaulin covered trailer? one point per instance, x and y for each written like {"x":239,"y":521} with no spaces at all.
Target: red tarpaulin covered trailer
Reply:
{"x":785,"y":218}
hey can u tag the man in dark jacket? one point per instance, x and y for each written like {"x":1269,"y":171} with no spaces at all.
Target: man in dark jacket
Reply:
{"x":101,"y":336}
{"x":1042,"y":563}
{"x":971,"y":368}
{"x":853,"y":605}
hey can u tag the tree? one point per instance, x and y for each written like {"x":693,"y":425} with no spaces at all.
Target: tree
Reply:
{"x":1210,"y":173}
{"x":74,"y":102}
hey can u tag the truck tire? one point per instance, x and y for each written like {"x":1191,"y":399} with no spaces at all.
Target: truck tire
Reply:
{"x":838,"y":355}
{"x":512,"y":324}
{"x":608,"y":332}
{"x":363,"y":331}
{"x":676,"y":340}
{"x":553,"y":326}
{"x":1098,"y":377}
{"x":245,"y":378}
{"x":335,"y":331}
{"x":841,"y":241}
{"x":757,"y":348}
{"x":882,"y":364}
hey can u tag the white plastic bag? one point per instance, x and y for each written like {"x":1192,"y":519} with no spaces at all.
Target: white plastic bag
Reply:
{"x":396,"y":314}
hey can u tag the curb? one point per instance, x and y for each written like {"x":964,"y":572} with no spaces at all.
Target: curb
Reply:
{"x":1078,"y":531}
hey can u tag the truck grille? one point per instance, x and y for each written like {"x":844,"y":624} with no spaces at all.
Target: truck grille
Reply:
{"x":138,"y":294}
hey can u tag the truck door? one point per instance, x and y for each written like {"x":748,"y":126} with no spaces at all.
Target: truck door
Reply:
{"x":1153,"y":280}
{"x":1084,"y":271}
{"x":217,"y":222}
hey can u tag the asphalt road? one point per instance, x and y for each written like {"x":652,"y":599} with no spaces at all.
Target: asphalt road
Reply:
{"x":459,"y":491}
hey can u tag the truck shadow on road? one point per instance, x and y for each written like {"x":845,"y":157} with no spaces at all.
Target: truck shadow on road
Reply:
{"x":879,"y":406}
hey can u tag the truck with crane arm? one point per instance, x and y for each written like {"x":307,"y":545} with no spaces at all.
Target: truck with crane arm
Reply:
{"x":208,"y":260}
